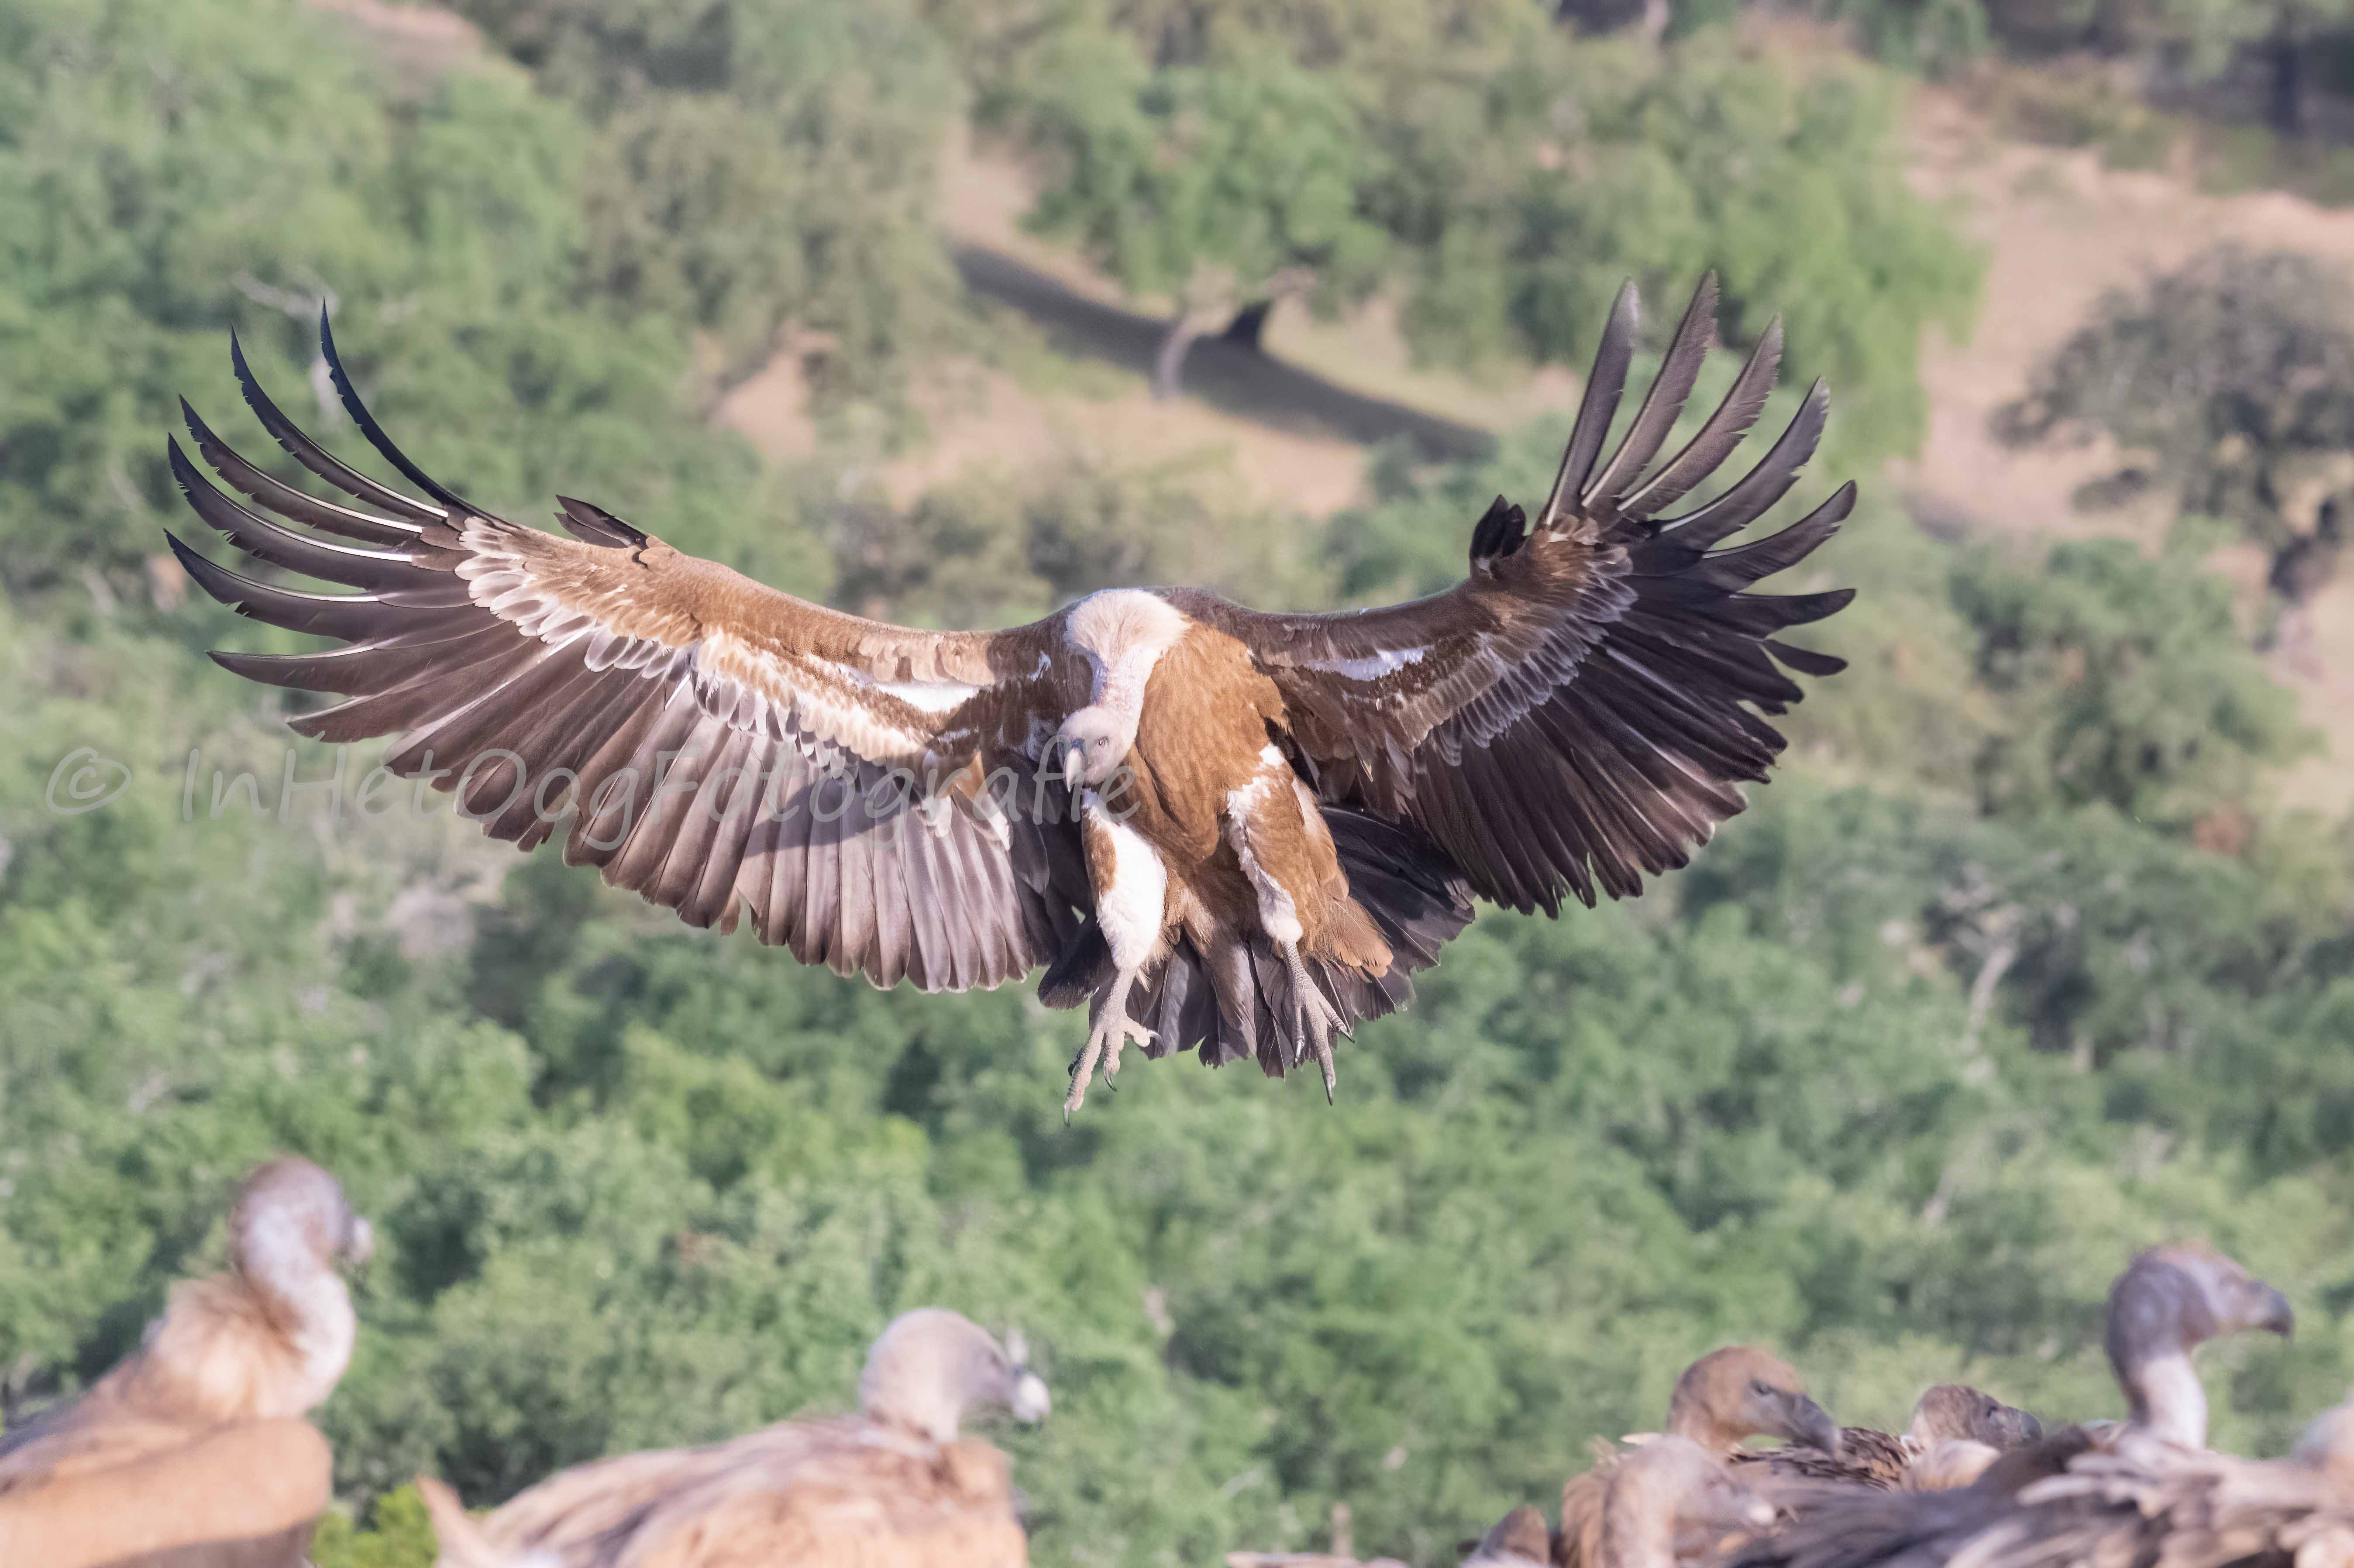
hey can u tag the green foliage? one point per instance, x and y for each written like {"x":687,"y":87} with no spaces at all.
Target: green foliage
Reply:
{"x":2128,"y":683}
{"x":398,"y":1534}
{"x":1887,"y":1079}
{"x":1202,"y":180}
{"x":1248,"y":140}
{"x":2230,"y":380}
{"x":1792,"y":189}
{"x":170,"y":161}
{"x":755,"y":164}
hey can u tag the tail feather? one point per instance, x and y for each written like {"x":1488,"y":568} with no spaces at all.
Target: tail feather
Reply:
{"x":1417,"y":898}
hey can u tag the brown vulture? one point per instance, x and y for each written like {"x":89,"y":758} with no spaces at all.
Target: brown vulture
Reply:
{"x":2145,"y":1492}
{"x":892,"y":1484}
{"x":1720,"y":1401}
{"x":193,"y":1449}
{"x":1218,"y":827}
{"x":1956,"y":1431}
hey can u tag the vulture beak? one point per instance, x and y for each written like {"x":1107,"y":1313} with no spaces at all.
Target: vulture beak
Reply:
{"x":358,"y":1247}
{"x":1030,"y":1403}
{"x":1804,"y":1420}
{"x":2272,"y":1312}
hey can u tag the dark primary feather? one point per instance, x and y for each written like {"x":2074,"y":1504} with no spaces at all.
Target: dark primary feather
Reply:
{"x":1577,"y":713}
{"x":536,"y":739}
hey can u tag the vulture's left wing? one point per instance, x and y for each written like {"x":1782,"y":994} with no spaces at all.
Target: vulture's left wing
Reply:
{"x":1578,"y":710}
{"x":711,"y":743}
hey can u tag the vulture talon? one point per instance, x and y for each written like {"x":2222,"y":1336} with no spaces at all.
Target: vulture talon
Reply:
{"x":1107,"y":1035}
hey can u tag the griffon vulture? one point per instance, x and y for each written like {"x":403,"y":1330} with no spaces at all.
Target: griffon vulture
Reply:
{"x":193,"y":1449}
{"x":2146,"y":1491}
{"x":1956,"y":1431}
{"x":1218,"y":827}
{"x":1720,"y":1401}
{"x":892,"y":1485}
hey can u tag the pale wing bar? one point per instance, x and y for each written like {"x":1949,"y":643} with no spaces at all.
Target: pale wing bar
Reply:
{"x":557,"y":685}
{"x":1577,"y":712}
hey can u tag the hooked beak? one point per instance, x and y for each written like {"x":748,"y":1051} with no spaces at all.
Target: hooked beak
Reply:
{"x":1804,"y":1420}
{"x":2275,"y":1314}
{"x":359,"y":1247}
{"x":1030,"y":1403}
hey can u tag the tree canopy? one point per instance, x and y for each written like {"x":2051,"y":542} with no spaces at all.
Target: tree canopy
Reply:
{"x":1966,"y":1007}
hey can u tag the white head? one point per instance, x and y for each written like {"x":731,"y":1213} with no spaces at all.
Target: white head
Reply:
{"x":929,"y":1366}
{"x":290,"y":1233}
{"x":2168,"y":1301}
{"x":1092,"y":744}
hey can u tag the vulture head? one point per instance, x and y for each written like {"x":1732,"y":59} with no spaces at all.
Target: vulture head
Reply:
{"x":292,"y":1219}
{"x":291,"y":1234}
{"x":931,"y":1366}
{"x":1668,"y":1484}
{"x":1092,"y":744}
{"x":1954,"y":1412}
{"x":1744,"y":1392}
{"x":2168,"y":1301}
{"x":2328,"y":1445}
{"x":1949,"y":1464}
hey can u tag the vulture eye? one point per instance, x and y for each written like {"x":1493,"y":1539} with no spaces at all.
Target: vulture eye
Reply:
{"x":1759,"y":1386}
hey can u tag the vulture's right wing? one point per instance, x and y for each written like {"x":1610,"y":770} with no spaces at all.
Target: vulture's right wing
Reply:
{"x":715,"y":745}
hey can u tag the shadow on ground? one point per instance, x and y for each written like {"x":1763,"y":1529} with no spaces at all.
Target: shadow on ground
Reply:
{"x":1239,"y":380}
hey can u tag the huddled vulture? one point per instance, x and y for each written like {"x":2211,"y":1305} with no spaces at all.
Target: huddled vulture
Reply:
{"x":2146,"y":1491}
{"x":1956,"y":1431}
{"x":1722,"y":1400}
{"x":193,"y":1450}
{"x":1216,"y":827}
{"x":894,"y":1484}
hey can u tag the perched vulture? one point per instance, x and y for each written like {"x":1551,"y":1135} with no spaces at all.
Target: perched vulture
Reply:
{"x":1665,"y":1494}
{"x":2146,"y":1492}
{"x":892,"y":1485}
{"x":1218,"y":827}
{"x":193,"y":1449}
{"x":1723,"y":1399}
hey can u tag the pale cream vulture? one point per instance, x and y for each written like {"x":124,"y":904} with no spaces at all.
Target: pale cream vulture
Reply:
{"x":192,"y":1452}
{"x":1218,"y":827}
{"x":1720,"y":1401}
{"x":892,"y":1487}
{"x":2146,"y":1491}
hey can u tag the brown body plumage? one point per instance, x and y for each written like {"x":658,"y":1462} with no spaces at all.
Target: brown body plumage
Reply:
{"x":892,"y":1487}
{"x":2147,"y":1492}
{"x":1217,"y":828}
{"x":192,"y":1450}
{"x":1720,"y":1401}
{"x":1956,"y":1431}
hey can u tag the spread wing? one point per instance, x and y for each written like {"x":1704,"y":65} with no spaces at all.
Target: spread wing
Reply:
{"x":711,"y":744}
{"x":1578,"y":710}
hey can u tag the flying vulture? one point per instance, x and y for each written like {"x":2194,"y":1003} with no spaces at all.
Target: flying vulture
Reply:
{"x":1218,"y":827}
{"x":892,"y":1484}
{"x":193,"y":1449}
{"x":2145,"y":1491}
{"x":1723,"y":1399}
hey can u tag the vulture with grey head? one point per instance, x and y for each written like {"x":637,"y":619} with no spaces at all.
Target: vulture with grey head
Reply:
{"x":1217,"y":828}
{"x":193,"y":1450}
{"x":892,"y":1484}
{"x":2146,"y":1491}
{"x":1720,"y":1401}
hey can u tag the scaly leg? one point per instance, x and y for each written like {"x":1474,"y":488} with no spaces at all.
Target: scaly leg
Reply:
{"x":1109,"y":1029}
{"x":1311,"y":1015}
